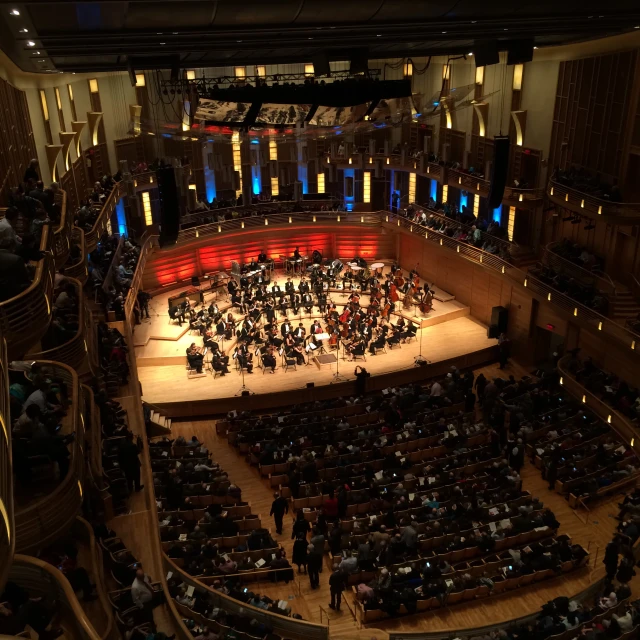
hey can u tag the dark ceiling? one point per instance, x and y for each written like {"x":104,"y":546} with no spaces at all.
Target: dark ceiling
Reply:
{"x":99,"y":36}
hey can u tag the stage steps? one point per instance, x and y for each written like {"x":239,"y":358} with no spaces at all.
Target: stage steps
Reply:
{"x":157,"y":423}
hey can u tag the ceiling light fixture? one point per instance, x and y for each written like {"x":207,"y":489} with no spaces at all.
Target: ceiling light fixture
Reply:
{"x":535,"y":47}
{"x":379,"y":35}
{"x":24,"y":30}
{"x":470,"y":53}
{"x":163,"y":43}
{"x":444,"y":32}
{"x":31,"y":43}
{"x":14,"y":12}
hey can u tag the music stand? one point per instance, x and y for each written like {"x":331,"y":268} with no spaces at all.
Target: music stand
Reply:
{"x":418,"y":360}
{"x":244,"y":387}
{"x":337,"y":376}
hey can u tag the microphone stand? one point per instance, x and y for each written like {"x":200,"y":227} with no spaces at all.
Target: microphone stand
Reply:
{"x":418,"y":359}
{"x":243,"y":387}
{"x":337,"y":376}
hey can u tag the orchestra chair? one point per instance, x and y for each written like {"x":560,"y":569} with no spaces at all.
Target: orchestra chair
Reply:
{"x":411,"y":334}
{"x":289,"y":362}
{"x":360,"y":352}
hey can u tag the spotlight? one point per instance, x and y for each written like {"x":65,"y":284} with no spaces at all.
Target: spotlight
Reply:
{"x":14,"y":12}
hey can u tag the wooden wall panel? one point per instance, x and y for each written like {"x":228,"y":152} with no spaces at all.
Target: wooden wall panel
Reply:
{"x":592,"y":105}
{"x":130,"y":149}
{"x":17,"y":145}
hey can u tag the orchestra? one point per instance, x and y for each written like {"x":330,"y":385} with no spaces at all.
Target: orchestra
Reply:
{"x":364,"y":324}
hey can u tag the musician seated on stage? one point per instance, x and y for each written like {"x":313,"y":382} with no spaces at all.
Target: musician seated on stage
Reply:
{"x":269,"y":359}
{"x":195,"y":358}
{"x":220,"y":362}
{"x":316,"y":257}
{"x":295,"y":351}
{"x":307,"y":302}
{"x":178,"y":312}
{"x":244,"y":357}
{"x":262,"y":258}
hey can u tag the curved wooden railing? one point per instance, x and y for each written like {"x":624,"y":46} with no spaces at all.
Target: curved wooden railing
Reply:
{"x":512,"y":195}
{"x":25,"y":317}
{"x":62,"y":235}
{"x":581,"y":313}
{"x":79,"y":270}
{"x":7,"y":529}
{"x":598,"y":279}
{"x":132,"y":294}
{"x":507,"y":245}
{"x":50,"y":516}
{"x":195,"y":218}
{"x":588,"y":205}
{"x":91,"y":238}
{"x":617,"y":421}
{"x":282,"y":625}
{"x":74,"y":350}
{"x":106,"y":627}
{"x":41,"y":579}
{"x":190,"y":235}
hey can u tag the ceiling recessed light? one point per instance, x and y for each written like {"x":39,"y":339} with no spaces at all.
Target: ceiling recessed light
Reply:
{"x":163,"y":43}
{"x":175,"y":33}
{"x":378,"y":35}
{"x":14,"y":12}
{"x":444,"y":32}
{"x":24,"y":30}
{"x":40,"y":60}
{"x":637,"y":26}
{"x":505,"y":29}
{"x":238,"y":40}
{"x":473,"y":21}
{"x":535,"y":47}
{"x":309,"y":38}
{"x":470,"y":53}
{"x":31,"y":43}
{"x":36,"y":53}
{"x":158,"y":33}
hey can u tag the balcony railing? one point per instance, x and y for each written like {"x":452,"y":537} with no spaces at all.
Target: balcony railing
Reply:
{"x":583,"y":314}
{"x":132,"y":294}
{"x":255,"y":222}
{"x":41,"y":579}
{"x":73,"y":351}
{"x":196,"y":218}
{"x":62,"y":235}
{"x":25,"y":318}
{"x":48,"y":517}
{"x":91,"y":238}
{"x":599,"y":279}
{"x":78,"y":270}
{"x":591,"y":206}
{"x":7,"y":530}
{"x":617,"y":421}
{"x":512,"y":195}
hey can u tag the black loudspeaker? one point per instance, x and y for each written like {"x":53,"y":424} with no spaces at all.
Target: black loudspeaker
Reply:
{"x":492,"y":331}
{"x":310,"y":385}
{"x":359,"y":61}
{"x":246,"y":392}
{"x":499,"y":318}
{"x":519,"y":51}
{"x":486,"y":53}
{"x":321,"y":65}
{"x":499,"y":173}
{"x":169,"y":206}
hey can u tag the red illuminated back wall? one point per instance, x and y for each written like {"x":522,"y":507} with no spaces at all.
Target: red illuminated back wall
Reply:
{"x":176,"y":265}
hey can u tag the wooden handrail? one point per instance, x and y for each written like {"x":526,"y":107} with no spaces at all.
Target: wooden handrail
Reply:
{"x":602,"y":279}
{"x":45,"y":519}
{"x":100,"y":225}
{"x":469,"y":182}
{"x":618,"y":422}
{"x":132,"y":294}
{"x":110,"y":632}
{"x":584,"y":202}
{"x":25,"y":317}
{"x":62,"y":235}
{"x":40,"y":578}
{"x":79,"y":270}
{"x":74,"y":350}
{"x":7,"y":526}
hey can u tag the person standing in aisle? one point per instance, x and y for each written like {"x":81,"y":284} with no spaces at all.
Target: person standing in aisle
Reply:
{"x":279,"y":507}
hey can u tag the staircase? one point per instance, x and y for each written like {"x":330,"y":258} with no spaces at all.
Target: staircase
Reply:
{"x":623,"y":306}
{"x":157,"y":423}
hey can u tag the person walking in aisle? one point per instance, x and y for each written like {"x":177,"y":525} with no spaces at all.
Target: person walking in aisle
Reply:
{"x":314,"y":561}
{"x":279,"y":507}
{"x":337,"y":581}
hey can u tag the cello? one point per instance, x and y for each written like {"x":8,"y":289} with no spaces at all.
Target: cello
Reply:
{"x":393,"y":293}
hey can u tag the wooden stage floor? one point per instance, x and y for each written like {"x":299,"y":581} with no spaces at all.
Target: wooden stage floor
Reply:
{"x":448,"y":331}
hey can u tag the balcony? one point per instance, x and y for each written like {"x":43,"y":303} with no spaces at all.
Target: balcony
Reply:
{"x":579,"y":313}
{"x":41,"y":520}
{"x":25,"y":318}
{"x":7,"y":532}
{"x":41,"y":579}
{"x":147,"y":248}
{"x":78,"y":270}
{"x":513,"y":197}
{"x":73,"y":351}
{"x":620,"y":213}
{"x":618,"y":422}
{"x":91,"y":238}
{"x":62,"y":235}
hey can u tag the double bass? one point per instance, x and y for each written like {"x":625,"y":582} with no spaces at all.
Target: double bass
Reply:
{"x":408,"y":297}
{"x":393,"y":292}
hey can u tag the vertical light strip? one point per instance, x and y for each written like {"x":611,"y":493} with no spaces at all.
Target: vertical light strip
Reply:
{"x":45,"y":108}
{"x":5,"y":518}
{"x":273,"y":150}
{"x":321,"y":182}
{"x":479,"y":75}
{"x":186,"y":111}
{"x":146,"y":207}
{"x":93,"y":85}
{"x":274,"y":187}
{"x":510,"y":224}
{"x":518,"y":70}
{"x":237,"y":163}
{"x":476,"y":204}
{"x":412,"y":187}
{"x":445,"y":193}
{"x":366,"y":187}
{"x":109,"y":227}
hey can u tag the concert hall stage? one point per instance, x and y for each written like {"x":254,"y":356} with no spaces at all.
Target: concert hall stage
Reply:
{"x":449,"y":336}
